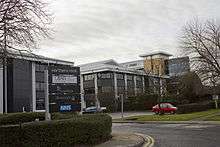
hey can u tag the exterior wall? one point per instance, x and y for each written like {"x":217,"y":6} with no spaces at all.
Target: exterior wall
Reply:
{"x":155,"y":66}
{"x":19,"y":86}
{"x":89,"y":89}
{"x":1,"y":90}
{"x":39,"y":85}
{"x":109,"y":95}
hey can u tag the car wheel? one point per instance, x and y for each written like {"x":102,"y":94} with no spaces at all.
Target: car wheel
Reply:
{"x":156,"y":112}
{"x":172,"y":112}
{"x":161,"y":112}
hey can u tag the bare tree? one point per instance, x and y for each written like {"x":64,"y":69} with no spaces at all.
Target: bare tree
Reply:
{"x":201,"y":42}
{"x":22,"y":24}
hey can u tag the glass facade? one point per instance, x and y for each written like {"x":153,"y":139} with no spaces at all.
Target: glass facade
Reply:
{"x":40,"y":86}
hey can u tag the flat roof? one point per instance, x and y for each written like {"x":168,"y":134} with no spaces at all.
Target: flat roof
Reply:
{"x":156,"y":53}
{"x":37,"y":58}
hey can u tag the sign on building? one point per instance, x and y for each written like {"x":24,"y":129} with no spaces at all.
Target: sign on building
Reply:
{"x":64,"y":89}
{"x":67,"y":79}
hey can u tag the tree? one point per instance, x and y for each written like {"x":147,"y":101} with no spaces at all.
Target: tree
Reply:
{"x":186,"y":88}
{"x":201,"y":42}
{"x":22,"y":24}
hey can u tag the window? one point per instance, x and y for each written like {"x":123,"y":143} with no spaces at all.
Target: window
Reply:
{"x":134,"y":64}
{"x":121,"y":89}
{"x":107,"y":89}
{"x":39,"y":86}
{"x":88,"y":77}
{"x":40,"y":67}
{"x":138,"y":78}
{"x":120,"y":76}
{"x":39,"y":77}
{"x":104,"y":75}
{"x":129,"y":77}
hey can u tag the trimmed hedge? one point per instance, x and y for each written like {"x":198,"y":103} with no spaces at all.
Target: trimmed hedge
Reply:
{"x":195,"y":107}
{"x":16,"y":118}
{"x":85,"y":129}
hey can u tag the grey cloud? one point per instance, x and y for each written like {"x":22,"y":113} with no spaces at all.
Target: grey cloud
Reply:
{"x":91,"y":30}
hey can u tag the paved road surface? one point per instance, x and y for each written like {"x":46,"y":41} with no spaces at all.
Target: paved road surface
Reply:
{"x":176,"y":135}
{"x":128,"y":114}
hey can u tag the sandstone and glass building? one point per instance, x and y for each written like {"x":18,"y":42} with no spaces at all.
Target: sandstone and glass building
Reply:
{"x":105,"y":82}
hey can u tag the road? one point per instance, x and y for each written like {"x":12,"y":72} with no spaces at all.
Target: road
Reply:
{"x":117,"y":115}
{"x":175,"y":135}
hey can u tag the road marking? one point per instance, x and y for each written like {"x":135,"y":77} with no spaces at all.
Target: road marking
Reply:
{"x":149,"y":141}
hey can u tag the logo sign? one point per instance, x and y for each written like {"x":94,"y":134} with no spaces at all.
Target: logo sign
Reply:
{"x":65,"y":108}
{"x":66,"y":79}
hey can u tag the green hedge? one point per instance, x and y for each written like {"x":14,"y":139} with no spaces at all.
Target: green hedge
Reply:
{"x":195,"y":107}
{"x":85,"y":129}
{"x":16,"y":118}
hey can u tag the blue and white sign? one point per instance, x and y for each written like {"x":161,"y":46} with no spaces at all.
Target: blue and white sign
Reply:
{"x":65,"y":108}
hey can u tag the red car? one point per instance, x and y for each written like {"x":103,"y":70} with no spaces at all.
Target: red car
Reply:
{"x":164,"y":108}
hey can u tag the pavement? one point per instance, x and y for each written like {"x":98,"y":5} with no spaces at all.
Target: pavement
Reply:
{"x":195,"y":133}
{"x":117,"y":115}
{"x":174,"y":134}
{"x":168,"y":122}
{"x":126,"y":140}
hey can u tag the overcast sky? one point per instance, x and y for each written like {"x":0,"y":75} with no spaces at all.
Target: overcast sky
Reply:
{"x":94,"y":30}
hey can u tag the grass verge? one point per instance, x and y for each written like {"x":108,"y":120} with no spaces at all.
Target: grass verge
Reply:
{"x":176,"y":117}
{"x":213,"y":118}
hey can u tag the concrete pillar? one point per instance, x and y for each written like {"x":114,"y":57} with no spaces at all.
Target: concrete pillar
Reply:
{"x":82,"y":94}
{"x":96,"y":90}
{"x":143,"y":84}
{"x":1,"y":91}
{"x":33,"y":87}
{"x":46,"y":92}
{"x":135,"y":85}
{"x":115,"y":85}
{"x":161,"y":86}
{"x":126,"y":86}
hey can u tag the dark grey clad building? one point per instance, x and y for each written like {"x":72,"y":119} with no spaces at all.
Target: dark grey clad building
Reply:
{"x":23,"y":87}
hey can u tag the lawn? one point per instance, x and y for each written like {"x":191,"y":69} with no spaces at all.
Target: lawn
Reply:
{"x":213,"y":118}
{"x":175,"y":117}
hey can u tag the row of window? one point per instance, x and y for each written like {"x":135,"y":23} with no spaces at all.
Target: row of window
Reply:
{"x":110,"y":76}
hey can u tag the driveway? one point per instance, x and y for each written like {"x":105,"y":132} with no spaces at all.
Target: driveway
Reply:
{"x":175,"y":135}
{"x":117,"y":115}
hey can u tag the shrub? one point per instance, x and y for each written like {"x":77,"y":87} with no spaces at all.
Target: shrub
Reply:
{"x":16,"y":118}
{"x":195,"y":107}
{"x":63,"y":115}
{"x":85,"y":129}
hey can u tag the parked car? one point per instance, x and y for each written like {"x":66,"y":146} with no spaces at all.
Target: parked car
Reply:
{"x":164,"y":108}
{"x":94,"y":109}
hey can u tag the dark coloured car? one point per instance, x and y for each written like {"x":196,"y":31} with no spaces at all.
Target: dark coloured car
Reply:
{"x":164,"y":108}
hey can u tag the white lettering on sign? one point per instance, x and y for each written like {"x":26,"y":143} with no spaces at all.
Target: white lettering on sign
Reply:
{"x":65,"y":108}
{"x":71,"y":79}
